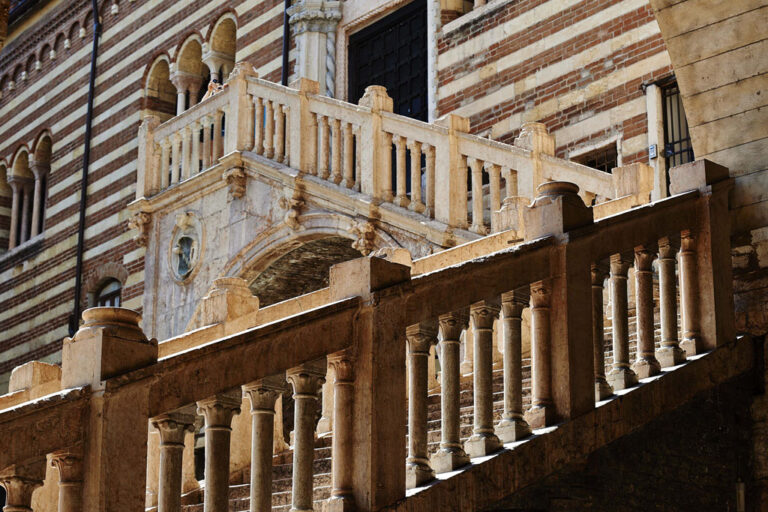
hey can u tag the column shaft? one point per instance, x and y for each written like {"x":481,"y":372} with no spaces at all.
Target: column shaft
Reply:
{"x":689,"y":295}
{"x":13,"y":240}
{"x":602,"y":388}
{"x":172,"y":428}
{"x":420,"y":338}
{"x":342,"y":463}
{"x":646,"y":364}
{"x":670,"y":353}
{"x":512,"y":426}
{"x":541,"y":361}
{"x":26,"y":211}
{"x":218,"y":411}
{"x":621,"y":376}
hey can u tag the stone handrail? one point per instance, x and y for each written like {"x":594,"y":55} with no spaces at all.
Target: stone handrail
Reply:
{"x":357,"y":334}
{"x":362,"y":147}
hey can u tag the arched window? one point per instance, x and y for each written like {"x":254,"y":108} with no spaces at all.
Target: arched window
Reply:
{"x":109,"y":294}
{"x":159,"y":93}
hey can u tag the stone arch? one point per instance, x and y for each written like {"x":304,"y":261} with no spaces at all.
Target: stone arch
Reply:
{"x":4,"y":81}
{"x":276,"y":243}
{"x":221,"y":48}
{"x":159,"y":92}
{"x":74,"y":32}
{"x":40,"y":164}
{"x":188,"y":72}
{"x":30,"y":66}
{"x":58,"y":43}
{"x":101,"y":275}
{"x":20,"y":165}
{"x":16,"y":76}
{"x":87,"y":22}
{"x":45,"y":53}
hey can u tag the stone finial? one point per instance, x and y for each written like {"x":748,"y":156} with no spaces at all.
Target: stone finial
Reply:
{"x":140,"y":222}
{"x":556,"y":210}
{"x":365,"y":235}
{"x":229,"y":298}
{"x":109,"y":343}
{"x":377,"y":99}
{"x":536,"y":138}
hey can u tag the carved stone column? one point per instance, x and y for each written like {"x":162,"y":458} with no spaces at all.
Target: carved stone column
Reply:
{"x":314,"y":26}
{"x":26,"y":208}
{"x":40,"y":170}
{"x":185,"y":83}
{"x":670,"y":353}
{"x":646,"y":364}
{"x":541,"y":412}
{"x":343,"y":368}
{"x":19,"y":482}
{"x":16,"y":189}
{"x":263,"y":394}
{"x":69,"y":463}
{"x":483,"y":440}
{"x":689,"y":295}
{"x":172,"y":428}
{"x":602,"y":389}
{"x":420,"y":337}
{"x":451,"y":454}
{"x":218,"y":411}
{"x":512,"y":426}
{"x":306,"y":381}
{"x":621,"y":376}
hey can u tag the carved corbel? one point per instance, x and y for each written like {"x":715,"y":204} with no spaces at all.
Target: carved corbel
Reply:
{"x":140,"y":222}
{"x":365,"y":234}
{"x":293,"y":202}
{"x":236,"y":181}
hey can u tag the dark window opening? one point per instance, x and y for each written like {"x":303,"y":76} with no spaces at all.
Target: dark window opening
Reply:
{"x":109,"y":294}
{"x":678,"y":149}
{"x":603,"y":159}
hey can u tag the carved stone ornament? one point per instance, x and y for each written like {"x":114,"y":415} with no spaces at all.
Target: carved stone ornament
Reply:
{"x":236,"y":181}
{"x":293,"y":203}
{"x":309,"y":16}
{"x":186,"y":248}
{"x":140,"y":222}
{"x":365,"y":234}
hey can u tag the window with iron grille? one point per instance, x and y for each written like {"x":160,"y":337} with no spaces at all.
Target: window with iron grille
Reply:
{"x":677,"y":139}
{"x":603,"y":159}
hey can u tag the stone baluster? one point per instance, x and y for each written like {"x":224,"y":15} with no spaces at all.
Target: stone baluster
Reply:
{"x":689,"y":295}
{"x":195,"y":159}
{"x":645,"y":364}
{"x":165,"y":162}
{"x":269,"y":129}
{"x":477,"y":196}
{"x":602,"y":389}
{"x":258,"y":107}
{"x":430,"y":170}
{"x":401,"y":199}
{"x":541,"y":411}
{"x":173,"y":428}
{"x":621,"y":376}
{"x":40,"y":171}
{"x":417,"y":204}
{"x":175,"y":158}
{"x":386,"y":168}
{"x":263,"y":394}
{"x":19,"y":482}
{"x":325,"y":147}
{"x":186,"y":152}
{"x":306,"y":381}
{"x":69,"y":464}
{"x":483,"y":440}
{"x":207,"y":141}
{"x":357,"y":130}
{"x":218,"y":135}
{"x":336,"y":151}
{"x":670,"y":353}
{"x":218,"y":411}
{"x":279,"y":133}
{"x":26,"y":207}
{"x":451,"y":454}
{"x":312,"y":131}
{"x":286,"y":134}
{"x":510,"y":178}
{"x":512,"y":426}
{"x":16,"y":188}
{"x":420,"y":337}
{"x":349,"y":155}
{"x":342,"y":463}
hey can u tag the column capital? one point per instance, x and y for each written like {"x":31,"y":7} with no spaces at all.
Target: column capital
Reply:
{"x":343,"y":365}
{"x":69,"y":463}
{"x":483,"y":314}
{"x":620,"y":264}
{"x":644,"y":256}
{"x":173,"y":426}
{"x":184,"y":81}
{"x":314,"y":16}
{"x":421,"y":337}
{"x":307,"y":379}
{"x":598,"y":273}
{"x":39,"y":169}
{"x":451,"y":325}
{"x":263,"y":393}
{"x":541,"y":294}
{"x":219,"y":410}
{"x":18,"y":183}
{"x":20,"y":481}
{"x":687,"y":241}
{"x":668,"y":247}
{"x":513,"y":303}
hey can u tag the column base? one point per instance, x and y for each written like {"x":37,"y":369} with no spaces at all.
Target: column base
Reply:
{"x":602,"y":389}
{"x":670,"y":356}
{"x":449,"y":459}
{"x":540,"y":416}
{"x":646,"y":367}
{"x":510,"y":430}
{"x":340,"y":504}
{"x":479,"y":445}
{"x":622,"y":378}
{"x":417,"y":474}
{"x":692,"y":346}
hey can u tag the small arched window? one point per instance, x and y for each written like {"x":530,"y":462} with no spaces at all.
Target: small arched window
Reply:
{"x":109,"y":294}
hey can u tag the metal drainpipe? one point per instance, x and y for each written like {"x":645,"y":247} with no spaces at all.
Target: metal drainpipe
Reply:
{"x":284,"y":72}
{"x":74,"y":320}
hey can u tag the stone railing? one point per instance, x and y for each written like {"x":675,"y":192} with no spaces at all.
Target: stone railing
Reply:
{"x":393,"y":159}
{"x":376,"y":324}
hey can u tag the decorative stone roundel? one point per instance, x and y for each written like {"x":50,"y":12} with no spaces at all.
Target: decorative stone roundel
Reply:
{"x":186,"y":250}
